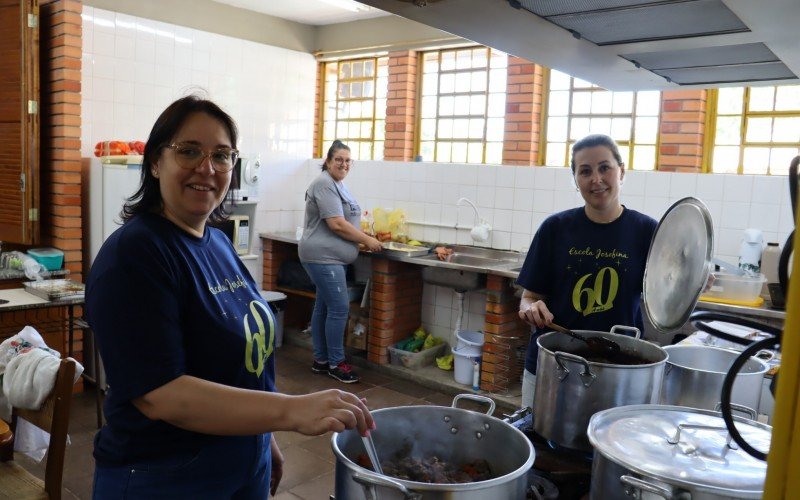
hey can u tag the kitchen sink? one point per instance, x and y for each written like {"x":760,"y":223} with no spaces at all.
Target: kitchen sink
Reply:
{"x":457,"y":279}
{"x":466,"y":260}
{"x":454,"y":272}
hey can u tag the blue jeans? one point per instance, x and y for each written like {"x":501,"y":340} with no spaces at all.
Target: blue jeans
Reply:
{"x":330,"y":311}
{"x":235,"y":467}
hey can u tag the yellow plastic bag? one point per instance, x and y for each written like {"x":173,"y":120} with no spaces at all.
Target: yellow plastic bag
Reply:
{"x":431,"y":341}
{"x":445,"y":362}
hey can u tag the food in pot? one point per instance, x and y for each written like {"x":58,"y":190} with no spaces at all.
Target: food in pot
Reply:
{"x":431,"y":469}
{"x":613,"y":358}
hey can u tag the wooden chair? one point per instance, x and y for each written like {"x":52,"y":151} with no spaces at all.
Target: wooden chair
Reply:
{"x":53,"y":417}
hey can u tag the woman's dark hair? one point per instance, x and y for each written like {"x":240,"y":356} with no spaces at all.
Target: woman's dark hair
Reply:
{"x":591,"y":141}
{"x":148,"y":197}
{"x":336,"y":146}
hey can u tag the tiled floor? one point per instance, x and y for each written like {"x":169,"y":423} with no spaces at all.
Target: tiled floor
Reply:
{"x":309,"y":469}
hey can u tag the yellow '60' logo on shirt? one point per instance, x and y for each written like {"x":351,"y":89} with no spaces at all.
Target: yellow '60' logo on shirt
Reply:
{"x":589,"y":298}
{"x":258,"y":342}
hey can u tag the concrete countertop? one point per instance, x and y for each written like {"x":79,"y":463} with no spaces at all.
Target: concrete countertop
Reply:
{"x":509,"y":271}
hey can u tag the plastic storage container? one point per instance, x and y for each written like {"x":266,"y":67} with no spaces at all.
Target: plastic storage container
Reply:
{"x":463,"y":359}
{"x":734,"y":287}
{"x":50,"y":258}
{"x":414,"y":360}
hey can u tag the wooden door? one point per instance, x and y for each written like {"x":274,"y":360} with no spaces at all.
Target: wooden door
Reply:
{"x":19,"y":121}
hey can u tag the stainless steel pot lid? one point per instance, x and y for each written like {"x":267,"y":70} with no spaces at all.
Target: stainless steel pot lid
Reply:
{"x":641,"y":437}
{"x":678,"y":264}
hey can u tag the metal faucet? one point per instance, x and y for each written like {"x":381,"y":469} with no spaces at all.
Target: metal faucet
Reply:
{"x":481,"y":230}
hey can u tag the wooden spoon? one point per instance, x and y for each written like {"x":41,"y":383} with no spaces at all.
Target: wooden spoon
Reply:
{"x":599,"y":345}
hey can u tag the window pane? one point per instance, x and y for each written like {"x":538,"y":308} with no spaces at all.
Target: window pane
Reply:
{"x":726,"y":159}
{"x":646,"y":130}
{"x":601,"y":102}
{"x":479,"y":58}
{"x":460,"y":128}
{"x":756,"y":160}
{"x":459,"y":152}
{"x":559,"y":80}
{"x":382,"y":87}
{"x":354,"y":109}
{"x":464,"y":59}
{"x":555,"y":155}
{"x":462,"y":105}
{"x":344,"y":91}
{"x":448,"y":61}
{"x":787,"y":98}
{"x":444,"y":129}
{"x":431,"y":65}
{"x":380,"y":108}
{"x":358,"y":69}
{"x":354,"y":129}
{"x":429,"y":84}
{"x":476,"y":128}
{"x":366,"y":130}
{"x":623,"y":102}
{"x":366,"y":109}
{"x":600,"y":126}
{"x":426,"y":150}
{"x":786,"y":129}
{"x":499,"y":59}
{"x":729,"y":100}
{"x":648,"y":103}
{"x":728,"y":130}
{"x":497,"y":105}
{"x":494,"y":129}
{"x":355,"y":89}
{"x":447,"y":83}
{"x":380,"y":130}
{"x":494,"y":153}
{"x":366,"y":150}
{"x":759,"y":129}
{"x":369,"y":68}
{"x":344,"y":70}
{"x":443,"y":151}
{"x":428,"y":107}
{"x":329,"y":131}
{"x":447,"y":105}
{"x":581,"y":102}
{"x":475,"y":152}
{"x":581,"y":84}
{"x":463,"y":81}
{"x":780,"y":159}
{"x":497,"y":80}
{"x":621,"y":130}
{"x":579,"y":128}
{"x":428,"y":132}
{"x":330,"y":91}
{"x":341,"y":130}
{"x":330,"y":70}
{"x":558,"y":104}
{"x":557,"y":129}
{"x":761,"y":98}
{"x":644,"y":157}
{"x":369,"y":89}
{"x":477,"y":104}
{"x":478,"y":83}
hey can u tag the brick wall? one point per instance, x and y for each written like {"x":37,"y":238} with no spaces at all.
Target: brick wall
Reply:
{"x":505,"y":337}
{"x":401,"y":106}
{"x":395,"y":305}
{"x":524,"y":107}
{"x":683,"y":116}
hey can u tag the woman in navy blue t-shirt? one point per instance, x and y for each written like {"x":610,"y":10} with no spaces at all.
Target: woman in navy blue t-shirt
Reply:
{"x":585,"y":266}
{"x":187,"y":342}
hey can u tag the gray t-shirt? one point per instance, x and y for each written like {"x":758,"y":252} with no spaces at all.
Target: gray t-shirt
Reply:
{"x":327,"y":198}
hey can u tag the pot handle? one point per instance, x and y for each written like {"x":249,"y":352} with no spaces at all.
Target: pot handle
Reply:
{"x":740,"y":408}
{"x":370,"y":481}
{"x":475,"y":397}
{"x":640,"y":484}
{"x":636,"y":332}
{"x":587,"y":377}
{"x":677,"y":437}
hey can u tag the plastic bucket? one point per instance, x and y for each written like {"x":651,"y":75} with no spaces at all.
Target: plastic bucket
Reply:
{"x":468,"y":338}
{"x":463,"y":357}
{"x":277,"y":302}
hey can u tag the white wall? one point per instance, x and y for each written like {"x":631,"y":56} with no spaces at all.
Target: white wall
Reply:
{"x":133,"y":68}
{"x":515,"y":201}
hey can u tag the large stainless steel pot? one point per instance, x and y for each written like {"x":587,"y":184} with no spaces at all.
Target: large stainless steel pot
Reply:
{"x":695,"y":373}
{"x":673,"y":452}
{"x":452,"y":434}
{"x":570,"y":389}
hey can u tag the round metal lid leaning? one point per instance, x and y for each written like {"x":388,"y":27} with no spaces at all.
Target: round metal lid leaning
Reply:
{"x":646,"y":440}
{"x":678,"y":264}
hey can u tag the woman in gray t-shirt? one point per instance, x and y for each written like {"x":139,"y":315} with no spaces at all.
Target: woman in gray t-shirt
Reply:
{"x":330,"y":242}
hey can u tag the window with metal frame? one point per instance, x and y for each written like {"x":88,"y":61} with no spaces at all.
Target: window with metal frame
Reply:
{"x":462,"y":106}
{"x":354,"y":106}
{"x":577,"y":108}
{"x":756,"y":130}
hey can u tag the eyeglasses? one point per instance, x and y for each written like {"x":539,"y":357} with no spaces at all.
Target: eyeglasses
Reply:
{"x":191,"y":156}
{"x":342,"y":161}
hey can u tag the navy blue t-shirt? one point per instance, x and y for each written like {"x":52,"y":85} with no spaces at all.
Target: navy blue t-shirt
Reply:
{"x":162,"y":304}
{"x":591,"y":274}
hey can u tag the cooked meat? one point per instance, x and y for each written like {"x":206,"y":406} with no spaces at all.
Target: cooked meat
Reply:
{"x":434,"y":470}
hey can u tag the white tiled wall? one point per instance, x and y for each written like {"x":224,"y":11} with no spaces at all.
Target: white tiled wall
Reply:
{"x":515,"y":201}
{"x":133,"y":68}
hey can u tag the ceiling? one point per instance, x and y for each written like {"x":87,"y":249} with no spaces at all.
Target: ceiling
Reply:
{"x":631,"y":44}
{"x":313,"y":12}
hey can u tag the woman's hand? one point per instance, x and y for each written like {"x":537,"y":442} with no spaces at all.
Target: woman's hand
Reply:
{"x":373,"y":245}
{"x":443,"y":252}
{"x":533,"y":310}
{"x":332,"y":410}
{"x":277,"y":466}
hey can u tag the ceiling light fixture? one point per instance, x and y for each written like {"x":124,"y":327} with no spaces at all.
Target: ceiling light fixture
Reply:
{"x":347,"y":5}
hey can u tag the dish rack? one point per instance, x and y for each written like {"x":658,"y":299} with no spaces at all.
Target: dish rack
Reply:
{"x":55,"y":289}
